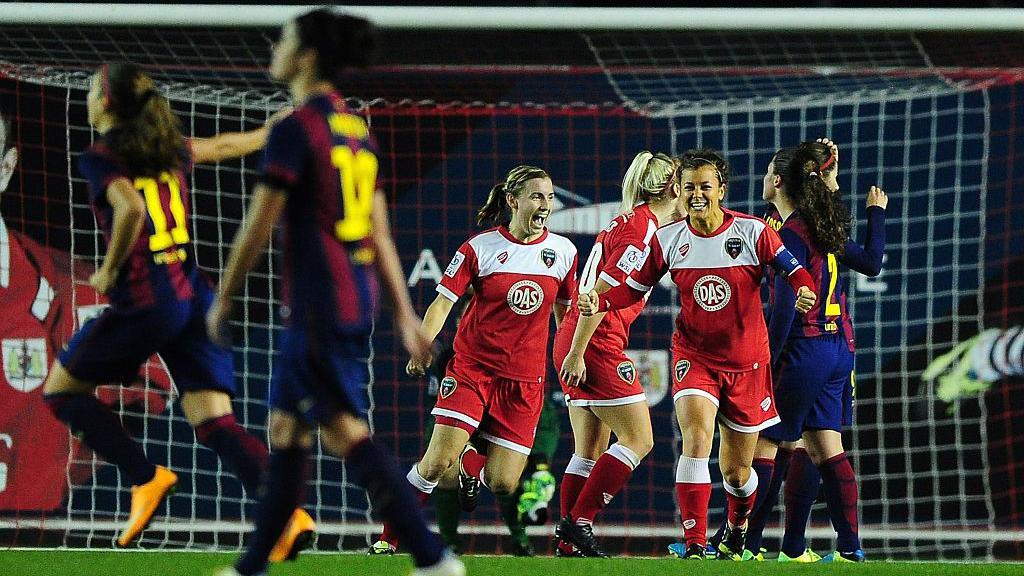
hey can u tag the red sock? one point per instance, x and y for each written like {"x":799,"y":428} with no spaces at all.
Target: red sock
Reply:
{"x":575,"y":477}
{"x":741,"y":500}
{"x":693,"y":510}
{"x":473,"y":464}
{"x":609,"y":476}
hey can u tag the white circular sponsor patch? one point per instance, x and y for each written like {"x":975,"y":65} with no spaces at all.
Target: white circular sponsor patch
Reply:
{"x":712,"y":293}
{"x":525,"y":297}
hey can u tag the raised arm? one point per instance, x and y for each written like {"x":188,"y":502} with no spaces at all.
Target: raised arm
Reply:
{"x":868,"y":259}
{"x":129,"y":218}
{"x":228,"y":145}
{"x":247,"y":250}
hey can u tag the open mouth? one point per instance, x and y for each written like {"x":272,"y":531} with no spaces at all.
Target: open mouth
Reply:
{"x":539,"y":220}
{"x":696,"y":204}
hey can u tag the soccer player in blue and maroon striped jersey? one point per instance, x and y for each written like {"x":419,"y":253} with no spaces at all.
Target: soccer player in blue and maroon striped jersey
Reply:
{"x":158,"y":297}
{"x":319,"y":178}
{"x":813,"y":353}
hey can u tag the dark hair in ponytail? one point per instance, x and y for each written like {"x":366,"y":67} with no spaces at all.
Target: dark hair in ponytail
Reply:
{"x":781,"y":160}
{"x":495,"y":211}
{"x":340,"y":41}
{"x":827,"y":217}
{"x":148,"y":135}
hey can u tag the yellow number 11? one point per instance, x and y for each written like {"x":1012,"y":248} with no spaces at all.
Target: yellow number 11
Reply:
{"x":162,"y":238}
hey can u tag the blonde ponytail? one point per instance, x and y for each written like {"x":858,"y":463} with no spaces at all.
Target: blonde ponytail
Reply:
{"x":646,"y":178}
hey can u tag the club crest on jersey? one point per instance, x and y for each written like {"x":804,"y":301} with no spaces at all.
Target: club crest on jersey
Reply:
{"x":503,"y":257}
{"x":684,"y":250}
{"x":525,"y":297}
{"x":547,"y":256}
{"x":733,"y":247}
{"x":712,"y":293}
{"x":626,"y":371}
{"x":25,"y":363}
{"x":447,"y":387}
{"x":682,"y":367}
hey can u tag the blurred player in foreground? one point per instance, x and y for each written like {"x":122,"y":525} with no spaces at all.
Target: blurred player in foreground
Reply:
{"x":319,"y":176}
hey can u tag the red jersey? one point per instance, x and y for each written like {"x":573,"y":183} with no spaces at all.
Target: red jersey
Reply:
{"x":719,"y":276}
{"x":515,"y":284}
{"x":36,"y":295}
{"x":619,"y":249}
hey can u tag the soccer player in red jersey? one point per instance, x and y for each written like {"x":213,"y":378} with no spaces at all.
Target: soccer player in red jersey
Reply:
{"x":600,"y":382}
{"x":720,"y":350}
{"x":158,"y":297}
{"x":319,"y":178}
{"x":520,"y":274}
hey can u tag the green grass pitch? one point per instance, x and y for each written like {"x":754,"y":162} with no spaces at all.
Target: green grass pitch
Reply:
{"x":90,"y":563}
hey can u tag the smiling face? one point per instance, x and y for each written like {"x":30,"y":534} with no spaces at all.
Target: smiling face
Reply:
{"x":532,"y":206}
{"x":701,"y":192}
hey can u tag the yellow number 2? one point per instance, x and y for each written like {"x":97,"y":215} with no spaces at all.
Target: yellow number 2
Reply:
{"x":832,"y":309}
{"x":162,"y":238}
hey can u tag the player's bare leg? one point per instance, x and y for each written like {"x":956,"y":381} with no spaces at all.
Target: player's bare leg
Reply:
{"x":442,"y":453}
{"x":73,"y":402}
{"x":590,"y":440}
{"x":211,"y":415}
{"x":736,"y":454}
{"x":825,"y":447}
{"x":634,"y":440}
{"x":696,"y":418}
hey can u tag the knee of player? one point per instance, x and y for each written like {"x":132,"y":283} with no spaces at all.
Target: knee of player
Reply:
{"x":503,"y":483}
{"x":697,"y":442}
{"x":433,"y":469}
{"x":735,"y":475}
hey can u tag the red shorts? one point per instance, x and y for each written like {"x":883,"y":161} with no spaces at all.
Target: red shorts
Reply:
{"x":744,"y":399}
{"x":611,"y":376}
{"x":505,"y":411}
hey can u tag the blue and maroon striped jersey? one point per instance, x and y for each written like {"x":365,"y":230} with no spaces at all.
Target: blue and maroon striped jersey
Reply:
{"x":323,"y":157}
{"x":161,"y":265}
{"x":830,"y":314}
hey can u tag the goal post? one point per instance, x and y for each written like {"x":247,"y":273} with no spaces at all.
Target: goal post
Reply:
{"x":458,"y":99}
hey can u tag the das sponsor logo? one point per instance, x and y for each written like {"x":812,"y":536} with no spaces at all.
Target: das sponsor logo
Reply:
{"x":525,"y":297}
{"x":626,"y":371}
{"x":712,"y":293}
{"x":447,"y":387}
{"x":682,"y":367}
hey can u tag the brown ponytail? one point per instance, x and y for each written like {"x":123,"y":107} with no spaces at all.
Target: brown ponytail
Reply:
{"x":827,"y":217}
{"x":496,"y":210}
{"x":147,"y":135}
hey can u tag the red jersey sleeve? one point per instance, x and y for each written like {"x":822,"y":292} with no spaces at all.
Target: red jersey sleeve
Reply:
{"x":639,"y":282}
{"x":460,"y":273}
{"x":568,"y":287}
{"x":627,"y":253}
{"x":768,"y":245}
